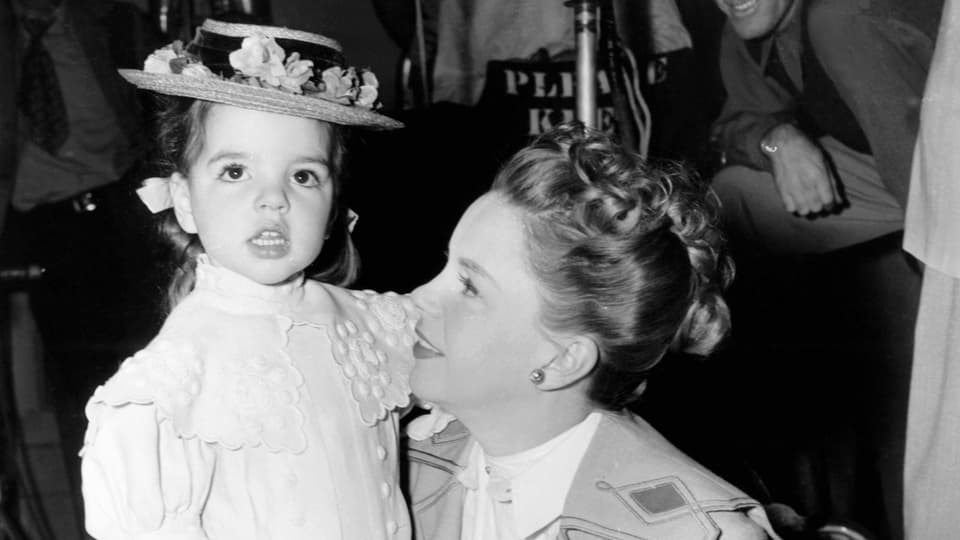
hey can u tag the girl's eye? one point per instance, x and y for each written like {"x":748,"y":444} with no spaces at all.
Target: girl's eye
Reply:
{"x":233,"y":173}
{"x":312,"y":177}
{"x":469,"y":289}
{"x":306,"y":178}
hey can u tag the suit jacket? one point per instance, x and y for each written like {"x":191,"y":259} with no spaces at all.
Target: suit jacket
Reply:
{"x":631,"y":484}
{"x":864,"y":65}
{"x":111,"y":34}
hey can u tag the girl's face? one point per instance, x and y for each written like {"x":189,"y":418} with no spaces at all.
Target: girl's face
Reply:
{"x":482,"y":314}
{"x":259,"y":193}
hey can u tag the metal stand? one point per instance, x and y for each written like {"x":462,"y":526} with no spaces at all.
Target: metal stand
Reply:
{"x":585,"y":29}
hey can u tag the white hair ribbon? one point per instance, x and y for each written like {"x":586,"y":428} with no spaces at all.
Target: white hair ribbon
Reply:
{"x":155,"y":194}
{"x":352,"y":219}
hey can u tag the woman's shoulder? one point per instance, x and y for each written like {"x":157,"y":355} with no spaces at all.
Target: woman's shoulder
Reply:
{"x":631,"y":465}
{"x":643,"y":454}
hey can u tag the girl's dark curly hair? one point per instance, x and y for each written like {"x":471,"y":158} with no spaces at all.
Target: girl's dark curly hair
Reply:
{"x":180,"y":126}
{"x":625,"y":252}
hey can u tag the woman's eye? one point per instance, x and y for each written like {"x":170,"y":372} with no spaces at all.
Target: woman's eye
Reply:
{"x":233,"y":173}
{"x":469,"y":289}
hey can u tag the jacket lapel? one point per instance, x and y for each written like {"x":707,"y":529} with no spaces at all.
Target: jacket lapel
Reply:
{"x":438,"y":514}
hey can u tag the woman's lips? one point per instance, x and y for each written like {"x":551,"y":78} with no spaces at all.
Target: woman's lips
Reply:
{"x":423,"y":348}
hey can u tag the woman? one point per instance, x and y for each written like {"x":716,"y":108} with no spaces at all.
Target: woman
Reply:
{"x":565,"y":284}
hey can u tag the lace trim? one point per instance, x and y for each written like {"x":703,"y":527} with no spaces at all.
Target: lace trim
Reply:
{"x":375,"y":352}
{"x":244,"y":403}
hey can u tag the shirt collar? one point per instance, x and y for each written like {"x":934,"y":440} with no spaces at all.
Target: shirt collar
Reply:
{"x":543,"y":475}
{"x":789,"y":34}
{"x":233,"y":285}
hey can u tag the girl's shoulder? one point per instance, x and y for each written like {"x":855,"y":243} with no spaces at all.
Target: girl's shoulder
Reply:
{"x":225,"y":380}
{"x":372,"y":337}
{"x":386,"y":313}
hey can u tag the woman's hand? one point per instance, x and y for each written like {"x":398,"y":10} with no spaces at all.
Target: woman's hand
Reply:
{"x":800,"y":169}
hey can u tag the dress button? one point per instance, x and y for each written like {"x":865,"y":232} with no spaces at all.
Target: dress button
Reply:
{"x":381,"y":452}
{"x":384,"y":490}
{"x":391,"y":527}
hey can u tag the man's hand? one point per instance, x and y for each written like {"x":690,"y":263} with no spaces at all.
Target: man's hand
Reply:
{"x":804,"y":179}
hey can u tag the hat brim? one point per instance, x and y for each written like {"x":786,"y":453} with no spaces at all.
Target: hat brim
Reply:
{"x":261,"y":99}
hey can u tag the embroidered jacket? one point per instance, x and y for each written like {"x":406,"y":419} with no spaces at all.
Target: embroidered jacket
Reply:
{"x":257,"y":412}
{"x":631,"y":484}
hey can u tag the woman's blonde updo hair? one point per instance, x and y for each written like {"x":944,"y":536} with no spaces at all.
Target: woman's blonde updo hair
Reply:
{"x":180,"y":136}
{"x":625,"y":252}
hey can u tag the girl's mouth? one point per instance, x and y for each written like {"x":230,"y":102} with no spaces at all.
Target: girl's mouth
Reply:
{"x":269,"y":244}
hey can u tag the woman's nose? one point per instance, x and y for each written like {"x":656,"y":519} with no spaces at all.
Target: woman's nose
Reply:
{"x":273,"y":197}
{"x":425,"y":299}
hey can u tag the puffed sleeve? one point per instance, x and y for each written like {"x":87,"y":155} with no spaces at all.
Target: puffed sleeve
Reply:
{"x":141,"y":478}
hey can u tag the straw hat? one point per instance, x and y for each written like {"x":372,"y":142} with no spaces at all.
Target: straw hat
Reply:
{"x":266,"y":68}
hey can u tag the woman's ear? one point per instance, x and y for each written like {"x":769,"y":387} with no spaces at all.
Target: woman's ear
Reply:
{"x":182,"y":206}
{"x":573,"y":365}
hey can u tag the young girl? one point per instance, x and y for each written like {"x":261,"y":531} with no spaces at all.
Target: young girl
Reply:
{"x":263,"y":407}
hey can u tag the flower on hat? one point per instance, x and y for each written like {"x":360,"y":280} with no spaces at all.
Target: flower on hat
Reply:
{"x":199,"y":71}
{"x":172,"y":58}
{"x":298,"y":72}
{"x":347,"y":87}
{"x":259,"y":56}
{"x":261,"y":61}
{"x":159,"y":61}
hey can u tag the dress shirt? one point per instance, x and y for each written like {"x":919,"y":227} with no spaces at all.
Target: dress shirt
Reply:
{"x":521,"y":495}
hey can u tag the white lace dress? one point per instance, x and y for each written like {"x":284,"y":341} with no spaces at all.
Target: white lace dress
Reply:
{"x":256,"y":413}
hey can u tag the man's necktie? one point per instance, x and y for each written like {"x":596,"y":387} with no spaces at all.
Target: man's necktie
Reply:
{"x":40,"y":94}
{"x":778,"y":71}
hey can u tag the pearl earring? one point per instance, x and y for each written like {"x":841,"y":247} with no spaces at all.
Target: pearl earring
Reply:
{"x":537,"y":376}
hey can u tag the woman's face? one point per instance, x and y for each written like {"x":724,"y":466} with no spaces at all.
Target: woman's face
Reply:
{"x":259,"y":193}
{"x":481,"y":314}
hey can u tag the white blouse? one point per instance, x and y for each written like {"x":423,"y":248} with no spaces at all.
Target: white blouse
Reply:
{"x":257,"y":412}
{"x":520,"y":496}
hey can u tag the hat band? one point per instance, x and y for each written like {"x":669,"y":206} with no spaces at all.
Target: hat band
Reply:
{"x":214,"y":50}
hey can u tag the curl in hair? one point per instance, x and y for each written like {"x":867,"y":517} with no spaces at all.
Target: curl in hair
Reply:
{"x":625,"y":252}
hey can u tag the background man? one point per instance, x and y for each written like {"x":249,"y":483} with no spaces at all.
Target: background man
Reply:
{"x":816,"y":137}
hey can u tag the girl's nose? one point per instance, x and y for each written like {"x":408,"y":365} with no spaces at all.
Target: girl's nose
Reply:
{"x":273,"y":198}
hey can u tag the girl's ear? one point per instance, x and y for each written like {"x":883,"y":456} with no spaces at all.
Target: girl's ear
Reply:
{"x":182,"y":207}
{"x":573,"y":365}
